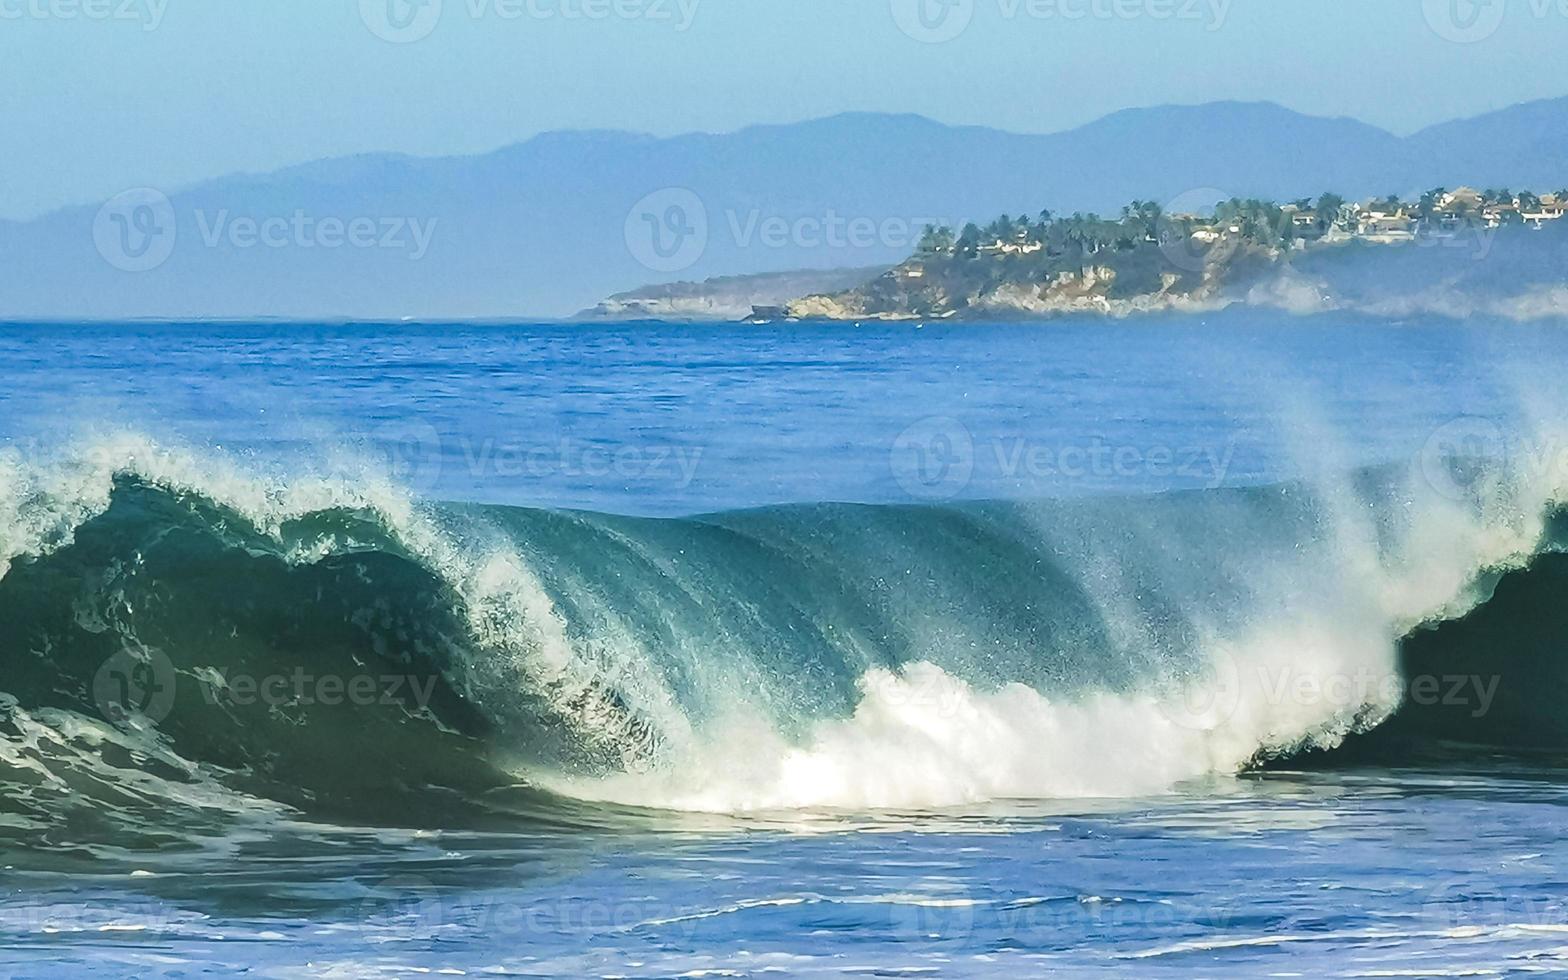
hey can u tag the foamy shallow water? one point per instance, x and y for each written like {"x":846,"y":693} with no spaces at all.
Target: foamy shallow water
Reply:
{"x":1358,"y":874}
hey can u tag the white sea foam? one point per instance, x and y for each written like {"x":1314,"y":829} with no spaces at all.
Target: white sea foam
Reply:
{"x":1315,"y":662}
{"x":922,"y":738}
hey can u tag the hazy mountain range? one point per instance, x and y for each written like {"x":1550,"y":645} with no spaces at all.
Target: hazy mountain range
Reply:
{"x":552,"y":225}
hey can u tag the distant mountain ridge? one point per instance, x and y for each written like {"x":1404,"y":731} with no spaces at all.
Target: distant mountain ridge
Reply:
{"x":551,"y":225}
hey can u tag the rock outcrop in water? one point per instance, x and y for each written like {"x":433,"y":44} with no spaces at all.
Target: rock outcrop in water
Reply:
{"x":726,"y":298}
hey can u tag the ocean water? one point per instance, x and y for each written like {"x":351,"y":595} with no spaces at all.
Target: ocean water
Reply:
{"x":1187,"y":646}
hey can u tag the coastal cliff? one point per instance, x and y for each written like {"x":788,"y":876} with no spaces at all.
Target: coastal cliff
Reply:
{"x":1385,"y":258}
{"x":1142,"y":279}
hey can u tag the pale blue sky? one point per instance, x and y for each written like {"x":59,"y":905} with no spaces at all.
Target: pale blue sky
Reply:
{"x":100,"y":95}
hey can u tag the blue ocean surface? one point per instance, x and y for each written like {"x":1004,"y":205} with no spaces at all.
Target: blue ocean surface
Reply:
{"x":1180,"y":646}
{"x":672,"y":419}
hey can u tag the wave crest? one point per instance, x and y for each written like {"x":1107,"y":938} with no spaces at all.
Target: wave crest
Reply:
{"x":811,"y":656}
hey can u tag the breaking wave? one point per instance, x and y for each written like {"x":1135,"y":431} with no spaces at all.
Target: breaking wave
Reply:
{"x":187,"y":638}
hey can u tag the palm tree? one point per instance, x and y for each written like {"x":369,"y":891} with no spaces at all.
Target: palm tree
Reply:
{"x":1000,"y":230}
{"x":968,"y":240}
{"x":1329,"y":205}
{"x":936,"y":240}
